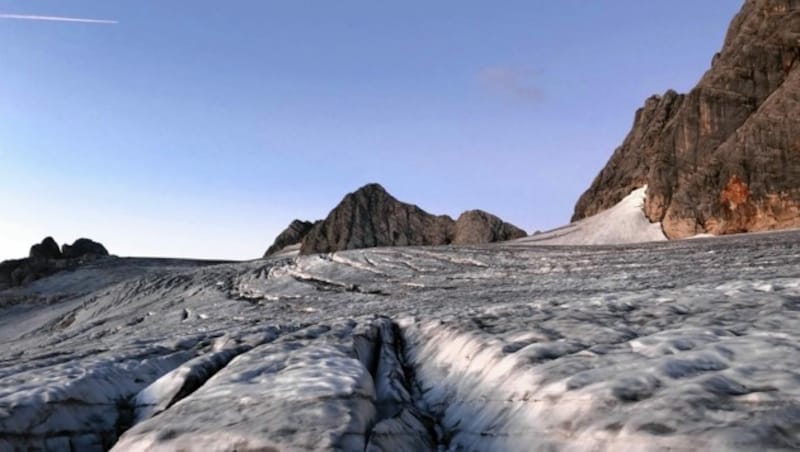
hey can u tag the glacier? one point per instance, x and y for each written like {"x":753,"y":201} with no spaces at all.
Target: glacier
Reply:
{"x":680,"y":345}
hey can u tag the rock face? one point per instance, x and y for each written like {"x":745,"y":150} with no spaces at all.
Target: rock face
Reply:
{"x":724,"y":158}
{"x":629,"y":166}
{"x":48,"y":249}
{"x":371,"y":217}
{"x":46,"y":259}
{"x":292,"y":235}
{"x":477,"y":226}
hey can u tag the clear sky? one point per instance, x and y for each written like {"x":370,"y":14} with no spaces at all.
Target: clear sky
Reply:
{"x":202,"y":128}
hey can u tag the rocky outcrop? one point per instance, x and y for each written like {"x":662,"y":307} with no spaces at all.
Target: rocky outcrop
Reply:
{"x":46,"y":259}
{"x":725,"y":157}
{"x":477,"y":226}
{"x":83,"y":247}
{"x":48,"y":249}
{"x":20,"y":272}
{"x":371,"y":217}
{"x":292,"y":235}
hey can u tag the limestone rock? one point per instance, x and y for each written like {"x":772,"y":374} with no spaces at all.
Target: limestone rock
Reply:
{"x":371,"y":217}
{"x":735,"y":135}
{"x":292,"y":235}
{"x":477,"y":226}
{"x":630,"y":164}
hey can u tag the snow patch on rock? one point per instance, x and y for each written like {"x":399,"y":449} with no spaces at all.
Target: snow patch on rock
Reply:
{"x":621,"y":224}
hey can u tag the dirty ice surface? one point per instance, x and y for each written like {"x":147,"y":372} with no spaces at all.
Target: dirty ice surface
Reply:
{"x":623,"y":223}
{"x":689,"y":345}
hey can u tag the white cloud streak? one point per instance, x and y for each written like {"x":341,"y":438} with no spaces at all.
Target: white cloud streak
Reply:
{"x":81,"y":20}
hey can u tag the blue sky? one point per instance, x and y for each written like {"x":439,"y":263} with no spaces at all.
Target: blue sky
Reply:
{"x":201,"y":128}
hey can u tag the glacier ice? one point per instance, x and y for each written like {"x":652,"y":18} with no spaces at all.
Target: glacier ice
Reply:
{"x":655,"y":346}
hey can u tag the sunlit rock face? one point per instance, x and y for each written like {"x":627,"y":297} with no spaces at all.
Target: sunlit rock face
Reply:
{"x":680,"y":345}
{"x":740,"y":123}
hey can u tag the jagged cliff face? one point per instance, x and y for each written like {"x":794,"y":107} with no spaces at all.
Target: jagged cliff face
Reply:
{"x":629,"y":166}
{"x":724,"y":158}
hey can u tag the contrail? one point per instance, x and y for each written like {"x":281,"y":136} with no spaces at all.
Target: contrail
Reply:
{"x":57,"y":19}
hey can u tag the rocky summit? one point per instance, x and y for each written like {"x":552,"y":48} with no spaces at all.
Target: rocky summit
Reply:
{"x":724,"y":158}
{"x":371,"y":217}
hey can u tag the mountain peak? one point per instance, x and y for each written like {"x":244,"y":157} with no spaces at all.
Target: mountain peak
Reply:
{"x":371,"y":217}
{"x":372,"y":187}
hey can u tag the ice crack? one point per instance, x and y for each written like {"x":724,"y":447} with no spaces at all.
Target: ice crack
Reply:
{"x":401,"y":423}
